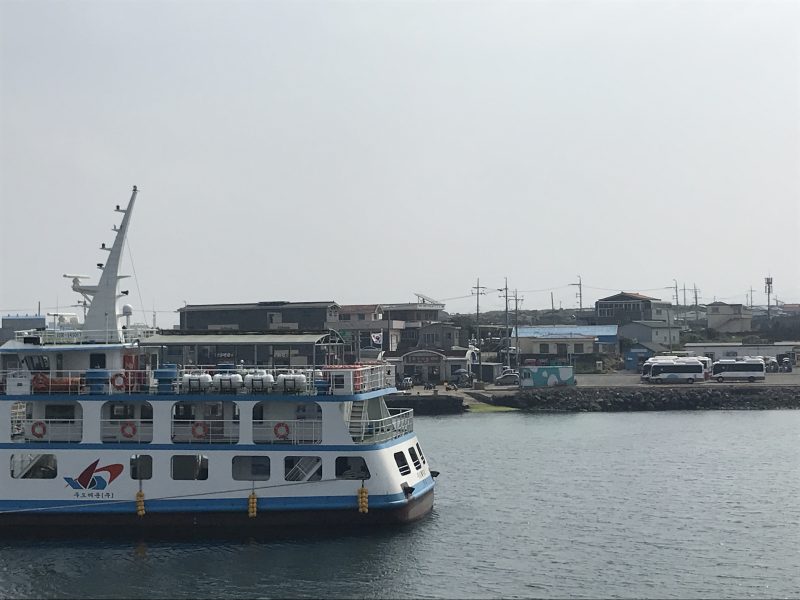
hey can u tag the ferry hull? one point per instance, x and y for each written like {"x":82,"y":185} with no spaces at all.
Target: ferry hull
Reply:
{"x":198,"y":525}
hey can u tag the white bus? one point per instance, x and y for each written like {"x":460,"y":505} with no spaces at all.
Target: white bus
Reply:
{"x":707,"y":366}
{"x":748,"y":369}
{"x":648,"y":365}
{"x":688,"y":370}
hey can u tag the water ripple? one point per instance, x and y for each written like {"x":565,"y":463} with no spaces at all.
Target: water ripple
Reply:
{"x":658,"y":505}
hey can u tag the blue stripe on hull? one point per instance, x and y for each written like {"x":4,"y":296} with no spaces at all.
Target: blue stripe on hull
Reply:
{"x":265,"y":503}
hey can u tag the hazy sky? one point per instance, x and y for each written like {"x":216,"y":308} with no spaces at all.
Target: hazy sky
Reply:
{"x":364,"y":151}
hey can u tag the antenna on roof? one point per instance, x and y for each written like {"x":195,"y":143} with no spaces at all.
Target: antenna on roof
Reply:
{"x":425,"y":299}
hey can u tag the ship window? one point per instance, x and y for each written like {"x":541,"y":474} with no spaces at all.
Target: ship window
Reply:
{"x":421,"y":455}
{"x":122,"y":411}
{"x":37,"y":363}
{"x":251,"y":468}
{"x":190,"y":467}
{"x":303,"y":468}
{"x":338,"y":381}
{"x":141,"y":466}
{"x":64,"y":412}
{"x":33,"y":466}
{"x":414,"y":458}
{"x":97,"y":361}
{"x":351,"y":467}
{"x":402,"y":463}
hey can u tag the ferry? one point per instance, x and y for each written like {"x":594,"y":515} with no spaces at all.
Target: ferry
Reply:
{"x":103,"y":432}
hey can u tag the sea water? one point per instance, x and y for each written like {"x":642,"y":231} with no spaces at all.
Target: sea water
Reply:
{"x":625,"y":505}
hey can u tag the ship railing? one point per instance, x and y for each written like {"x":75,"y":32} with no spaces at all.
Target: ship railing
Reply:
{"x":324,"y":380}
{"x":79,"y":336}
{"x":126,"y":431}
{"x":399,"y":422}
{"x":205,"y":431}
{"x":47,"y":431}
{"x":280,"y":431}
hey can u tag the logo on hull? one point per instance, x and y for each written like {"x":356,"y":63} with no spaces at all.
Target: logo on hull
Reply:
{"x":90,"y":480}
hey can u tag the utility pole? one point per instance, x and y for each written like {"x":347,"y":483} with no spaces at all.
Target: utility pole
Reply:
{"x":580,"y":292}
{"x":684,"y":296}
{"x":552,"y":303}
{"x":677,"y":302}
{"x":508,"y":350}
{"x":696,"y":306}
{"x":768,"y":290}
{"x":479,"y":291}
{"x":517,"y":300}
{"x":751,"y":297}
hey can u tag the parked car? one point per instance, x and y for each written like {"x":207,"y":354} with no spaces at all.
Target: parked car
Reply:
{"x":407,"y":383}
{"x":507,"y":379}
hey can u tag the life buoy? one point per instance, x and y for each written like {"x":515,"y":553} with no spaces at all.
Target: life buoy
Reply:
{"x":281,"y":430}
{"x":120,"y":381}
{"x":40,"y":382}
{"x":199,"y":430}
{"x":38,"y":429}
{"x":128,"y":429}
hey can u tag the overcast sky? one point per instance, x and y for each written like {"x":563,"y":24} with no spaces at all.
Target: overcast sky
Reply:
{"x":364,"y":151}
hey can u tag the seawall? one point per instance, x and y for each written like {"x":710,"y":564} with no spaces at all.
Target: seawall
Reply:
{"x":619,"y":399}
{"x":427,"y":404}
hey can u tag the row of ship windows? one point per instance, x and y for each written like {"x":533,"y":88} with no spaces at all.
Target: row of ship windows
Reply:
{"x":188,"y":467}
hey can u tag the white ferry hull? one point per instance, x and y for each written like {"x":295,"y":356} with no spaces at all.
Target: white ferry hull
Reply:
{"x":268,"y":523}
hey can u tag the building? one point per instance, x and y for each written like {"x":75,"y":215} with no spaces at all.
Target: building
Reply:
{"x":729,"y":318}
{"x":365,"y":331}
{"x":434,"y":365}
{"x":605,"y":337}
{"x":628,"y":306}
{"x":555,"y":350}
{"x":11,"y":324}
{"x":258,"y":316}
{"x":658,"y":332}
{"x":414,"y":315}
{"x":639,"y":352}
{"x":716,"y":351}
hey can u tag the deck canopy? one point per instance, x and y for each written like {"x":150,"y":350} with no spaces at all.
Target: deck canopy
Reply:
{"x":267,"y":349}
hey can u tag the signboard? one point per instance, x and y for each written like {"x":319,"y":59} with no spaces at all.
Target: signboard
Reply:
{"x":422,"y":359}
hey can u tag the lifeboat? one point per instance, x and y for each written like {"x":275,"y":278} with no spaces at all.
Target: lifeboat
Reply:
{"x":259,"y":380}
{"x":196,"y":380}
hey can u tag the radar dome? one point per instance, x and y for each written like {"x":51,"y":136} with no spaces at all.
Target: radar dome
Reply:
{"x":127,"y":310}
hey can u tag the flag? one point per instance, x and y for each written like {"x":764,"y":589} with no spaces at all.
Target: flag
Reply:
{"x":377,"y":338}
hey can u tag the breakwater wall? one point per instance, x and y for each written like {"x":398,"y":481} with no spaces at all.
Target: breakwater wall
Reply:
{"x":623,"y":399}
{"x":427,"y":404}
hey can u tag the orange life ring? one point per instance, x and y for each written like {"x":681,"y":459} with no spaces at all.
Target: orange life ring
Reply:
{"x":120,"y":381}
{"x":128,"y":429}
{"x":281,"y":430}
{"x":199,"y":430}
{"x":38,"y":429}
{"x":40,"y":382}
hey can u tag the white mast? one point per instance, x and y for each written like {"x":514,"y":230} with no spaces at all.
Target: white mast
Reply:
{"x":102,"y":317}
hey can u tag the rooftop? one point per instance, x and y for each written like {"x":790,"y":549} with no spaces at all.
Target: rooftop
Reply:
{"x":544,"y":331}
{"x":257,"y":305}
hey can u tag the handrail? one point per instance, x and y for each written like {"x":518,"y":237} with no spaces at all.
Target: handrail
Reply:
{"x":399,"y":422}
{"x":47,"y":431}
{"x":205,"y":431}
{"x":306,"y":381}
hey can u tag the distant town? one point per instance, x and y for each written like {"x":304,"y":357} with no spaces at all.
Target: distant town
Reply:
{"x":429,"y":345}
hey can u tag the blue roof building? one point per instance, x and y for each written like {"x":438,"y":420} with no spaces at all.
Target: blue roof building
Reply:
{"x":605,"y":334}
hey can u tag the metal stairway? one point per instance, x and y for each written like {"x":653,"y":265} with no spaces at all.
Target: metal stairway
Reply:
{"x":304,"y":468}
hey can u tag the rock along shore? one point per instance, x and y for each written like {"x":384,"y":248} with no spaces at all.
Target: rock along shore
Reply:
{"x":619,"y":399}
